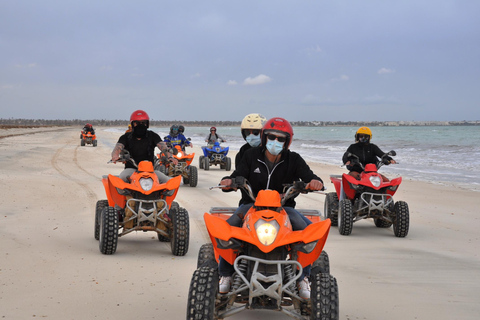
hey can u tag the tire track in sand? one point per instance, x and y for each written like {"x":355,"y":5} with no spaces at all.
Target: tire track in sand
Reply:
{"x":56,"y":165}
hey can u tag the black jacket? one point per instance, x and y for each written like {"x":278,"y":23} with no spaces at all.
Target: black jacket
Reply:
{"x":290,"y":168}
{"x":140,"y":149}
{"x":367,"y":153}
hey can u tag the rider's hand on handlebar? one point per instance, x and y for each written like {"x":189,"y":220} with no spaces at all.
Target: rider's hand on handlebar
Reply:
{"x":393,"y":161}
{"x":226,"y":183}
{"x":314,"y":185}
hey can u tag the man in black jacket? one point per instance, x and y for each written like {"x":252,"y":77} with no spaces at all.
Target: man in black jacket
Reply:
{"x":365,"y":151}
{"x":269,"y":166}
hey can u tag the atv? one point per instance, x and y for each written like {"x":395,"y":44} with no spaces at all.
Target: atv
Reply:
{"x":88,"y":138}
{"x":215,"y":155}
{"x":369,"y":197}
{"x":268,"y":258}
{"x":182,"y":168}
{"x":144,"y":204}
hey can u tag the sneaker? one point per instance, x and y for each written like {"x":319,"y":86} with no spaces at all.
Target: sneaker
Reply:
{"x":224,"y":284}
{"x":304,"y":288}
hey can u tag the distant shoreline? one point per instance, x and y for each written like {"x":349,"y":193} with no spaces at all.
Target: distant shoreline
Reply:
{"x":35,"y":123}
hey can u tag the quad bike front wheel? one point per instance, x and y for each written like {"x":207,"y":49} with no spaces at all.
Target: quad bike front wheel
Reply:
{"x":200,"y":162}
{"x":402,"y":219}
{"x":82,"y":142}
{"x":108,"y":231}
{"x":180,"y":231}
{"x":94,"y":143}
{"x":345,"y":217}
{"x":98,"y":216}
{"x":324,"y":297}
{"x":228,"y":164}
{"x":193,"y":177}
{"x":206,"y":256}
{"x":330,"y":208}
{"x":202,"y":294}
{"x":206,"y":164}
{"x":322,"y":264}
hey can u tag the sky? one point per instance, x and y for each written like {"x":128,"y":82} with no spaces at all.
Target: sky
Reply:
{"x":323,"y":60}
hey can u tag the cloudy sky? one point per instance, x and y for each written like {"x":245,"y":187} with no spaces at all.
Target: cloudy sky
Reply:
{"x":220,"y":60}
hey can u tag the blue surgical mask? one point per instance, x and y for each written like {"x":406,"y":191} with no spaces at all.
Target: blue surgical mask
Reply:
{"x":274,"y":147}
{"x":253,"y":140}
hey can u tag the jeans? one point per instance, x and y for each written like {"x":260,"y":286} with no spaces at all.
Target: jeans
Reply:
{"x":298,"y":221}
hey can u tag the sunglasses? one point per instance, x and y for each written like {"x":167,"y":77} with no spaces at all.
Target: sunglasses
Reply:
{"x":273,"y":137}
{"x":254,"y":132}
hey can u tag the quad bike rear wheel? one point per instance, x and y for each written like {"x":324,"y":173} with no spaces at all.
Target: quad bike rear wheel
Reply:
{"x":330,"y":208}
{"x":402,"y":219}
{"x":161,"y":237}
{"x":202,"y":294}
{"x":193,"y":178}
{"x":98,"y":215}
{"x":324,"y":297}
{"x":180,"y":231}
{"x":206,"y":256}
{"x":108,"y":231}
{"x":345,"y":217}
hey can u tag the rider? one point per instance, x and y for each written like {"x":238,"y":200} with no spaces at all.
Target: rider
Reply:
{"x":250,"y":127}
{"x":141,"y":144}
{"x":365,"y":151}
{"x":176,"y":138}
{"x":270,"y":167}
{"x":213,"y":137}
{"x":87,"y":128}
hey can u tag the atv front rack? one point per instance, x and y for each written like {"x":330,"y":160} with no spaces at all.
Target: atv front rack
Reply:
{"x":374,"y":203}
{"x":149,"y":211}
{"x":231,"y":210}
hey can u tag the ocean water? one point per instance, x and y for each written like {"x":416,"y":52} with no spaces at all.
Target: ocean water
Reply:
{"x":440,"y":154}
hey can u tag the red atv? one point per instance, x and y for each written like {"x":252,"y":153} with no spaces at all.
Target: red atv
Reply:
{"x":88,"y":138}
{"x":369,"y":197}
{"x":144,"y":204}
{"x":268,"y":258}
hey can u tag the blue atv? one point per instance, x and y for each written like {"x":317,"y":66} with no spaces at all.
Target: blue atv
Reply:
{"x":214,"y":155}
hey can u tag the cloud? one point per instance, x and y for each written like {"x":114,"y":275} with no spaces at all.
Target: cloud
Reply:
{"x":385,"y":71}
{"x":343,"y":77}
{"x":260,"y":79}
{"x":232,"y":82}
{"x":30,"y":65}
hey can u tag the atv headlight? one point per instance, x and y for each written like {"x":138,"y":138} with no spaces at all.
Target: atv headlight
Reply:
{"x":146,"y":183}
{"x":376,"y":180}
{"x":267,"y":231}
{"x":179,"y":154}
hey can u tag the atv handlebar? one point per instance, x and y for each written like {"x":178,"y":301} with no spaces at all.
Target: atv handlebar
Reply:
{"x":383,"y":161}
{"x":292,"y":189}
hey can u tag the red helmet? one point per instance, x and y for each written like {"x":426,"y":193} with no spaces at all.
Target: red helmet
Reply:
{"x":279,"y":125}
{"x":213,"y":128}
{"x":88,"y":125}
{"x":140,"y":115}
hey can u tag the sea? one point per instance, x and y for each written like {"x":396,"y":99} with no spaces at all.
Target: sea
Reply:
{"x":447,"y":155}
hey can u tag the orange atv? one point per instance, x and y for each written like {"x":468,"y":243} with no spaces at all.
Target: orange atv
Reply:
{"x":144,"y":204}
{"x":183,"y":167}
{"x":88,"y":138}
{"x":268,"y":258}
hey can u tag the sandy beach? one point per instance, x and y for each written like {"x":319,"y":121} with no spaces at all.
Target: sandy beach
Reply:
{"x":51,"y":267}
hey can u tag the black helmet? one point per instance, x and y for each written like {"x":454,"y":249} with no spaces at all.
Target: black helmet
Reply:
{"x":181,"y":129}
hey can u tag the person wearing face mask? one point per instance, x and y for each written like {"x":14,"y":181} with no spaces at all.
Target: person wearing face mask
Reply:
{"x":270,"y":166}
{"x":250,"y":127}
{"x":141,"y":143}
{"x":365,"y":151}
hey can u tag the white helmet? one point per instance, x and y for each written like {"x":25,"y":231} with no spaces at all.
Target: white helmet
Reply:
{"x":252,"y":121}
